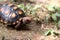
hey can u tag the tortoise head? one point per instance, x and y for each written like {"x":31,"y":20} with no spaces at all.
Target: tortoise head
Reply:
{"x":26,"y":20}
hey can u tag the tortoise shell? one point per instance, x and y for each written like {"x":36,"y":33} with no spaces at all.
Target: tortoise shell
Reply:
{"x":10,"y":14}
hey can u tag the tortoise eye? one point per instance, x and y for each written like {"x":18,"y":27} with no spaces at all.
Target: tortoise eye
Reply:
{"x":13,"y":15}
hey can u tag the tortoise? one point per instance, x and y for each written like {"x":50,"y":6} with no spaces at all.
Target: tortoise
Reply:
{"x":10,"y":14}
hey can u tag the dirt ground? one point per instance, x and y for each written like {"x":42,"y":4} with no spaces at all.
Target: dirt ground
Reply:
{"x":32,"y":31}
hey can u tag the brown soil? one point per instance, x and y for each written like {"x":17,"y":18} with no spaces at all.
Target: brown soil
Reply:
{"x":32,"y":31}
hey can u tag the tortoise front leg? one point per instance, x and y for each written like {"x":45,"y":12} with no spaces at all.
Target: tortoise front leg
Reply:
{"x":17,"y":25}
